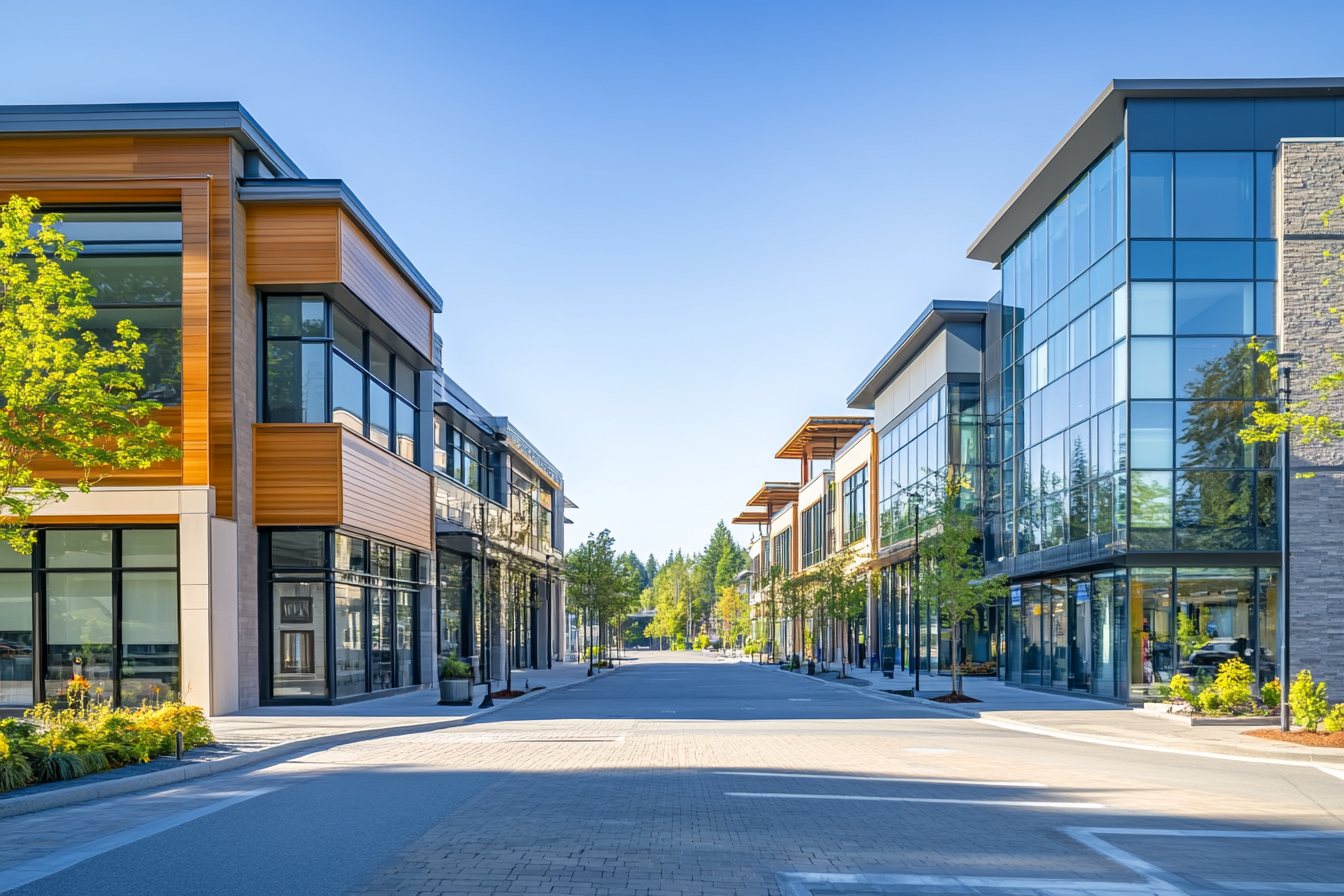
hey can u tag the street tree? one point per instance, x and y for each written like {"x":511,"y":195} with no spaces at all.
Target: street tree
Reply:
{"x":67,"y":396}
{"x":952,"y":571}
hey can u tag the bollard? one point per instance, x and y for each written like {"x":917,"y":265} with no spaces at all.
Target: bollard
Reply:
{"x":179,"y":746}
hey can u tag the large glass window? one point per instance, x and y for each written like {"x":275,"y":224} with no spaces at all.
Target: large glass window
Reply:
{"x":321,"y":366}
{"x":133,"y":259}
{"x":855,"y":499}
{"x":367,"y":591}
{"x":110,"y":600}
{"x":1215,"y":194}
{"x":16,"y":627}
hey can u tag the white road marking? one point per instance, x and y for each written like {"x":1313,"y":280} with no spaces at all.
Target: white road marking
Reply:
{"x":1257,"y":886}
{"x":1329,"y":769}
{"x":886,"y":780}
{"x":36,"y":869}
{"x":800,"y":699}
{"x":795,"y":884}
{"x":1035,"y":804}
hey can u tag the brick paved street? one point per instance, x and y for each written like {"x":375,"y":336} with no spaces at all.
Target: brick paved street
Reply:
{"x":683,"y":774}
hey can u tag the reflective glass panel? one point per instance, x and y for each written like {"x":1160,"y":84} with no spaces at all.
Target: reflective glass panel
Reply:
{"x":1151,"y":259}
{"x":1080,"y":231}
{"x":16,"y":639}
{"x":1152,"y":650}
{"x":1150,"y":511}
{"x":380,"y":415}
{"x":1213,"y":367}
{"x":350,"y":641}
{"x":299,"y":625}
{"x":1214,"y":511}
{"x":347,"y":394}
{"x":149,"y":638}
{"x":1215,"y":194}
{"x":79,"y":632}
{"x":149,"y":547}
{"x":298,"y":550}
{"x":1150,"y":194}
{"x":1207,"y":434}
{"x":1215,"y":308}
{"x":1152,"y":309}
{"x":349,"y":336}
{"x":1150,"y":434}
{"x":1058,"y":222}
{"x":79,"y":548}
{"x":1151,"y":368}
{"x":1215,"y":259}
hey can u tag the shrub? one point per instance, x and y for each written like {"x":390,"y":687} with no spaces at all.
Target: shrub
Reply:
{"x":86,"y":737}
{"x":1270,"y":694}
{"x":1307,"y":700}
{"x":701,"y":641}
{"x":1179,"y":689}
{"x":1233,"y":684}
{"x":1210,"y":702}
{"x":1335,"y":721}
{"x":452,"y":668}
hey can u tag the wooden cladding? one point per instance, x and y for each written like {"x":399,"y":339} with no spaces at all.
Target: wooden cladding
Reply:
{"x":309,"y":245}
{"x":385,"y":495}
{"x":373,"y":278}
{"x":195,"y":171}
{"x":321,"y":474}
{"x":296,"y":474}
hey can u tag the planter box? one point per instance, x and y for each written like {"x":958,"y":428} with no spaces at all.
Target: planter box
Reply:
{"x":455,"y":692}
{"x":1163,"y":710}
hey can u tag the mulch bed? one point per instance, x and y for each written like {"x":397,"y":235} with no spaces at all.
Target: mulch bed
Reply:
{"x":1305,"y":738}
{"x":955,"y":698}
{"x":507,"y":694}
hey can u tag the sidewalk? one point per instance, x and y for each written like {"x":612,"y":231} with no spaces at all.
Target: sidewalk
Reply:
{"x":258,"y":735}
{"x":1077,"y":717}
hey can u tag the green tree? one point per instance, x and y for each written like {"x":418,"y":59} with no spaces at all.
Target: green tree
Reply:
{"x":601,"y":587}
{"x":952,"y":570}
{"x":67,"y":395}
{"x":734,"y":615}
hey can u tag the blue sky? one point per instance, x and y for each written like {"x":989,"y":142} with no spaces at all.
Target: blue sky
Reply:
{"x":665,"y":233}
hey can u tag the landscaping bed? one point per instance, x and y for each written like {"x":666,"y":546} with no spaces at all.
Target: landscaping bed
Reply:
{"x":1303,"y":738}
{"x":955,"y":698}
{"x":49,"y":744}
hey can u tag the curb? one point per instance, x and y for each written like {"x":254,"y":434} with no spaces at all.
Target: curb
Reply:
{"x":95,"y":790}
{"x":1310,"y":758}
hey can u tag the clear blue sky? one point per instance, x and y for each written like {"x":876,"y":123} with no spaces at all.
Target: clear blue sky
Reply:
{"x":665,"y":232}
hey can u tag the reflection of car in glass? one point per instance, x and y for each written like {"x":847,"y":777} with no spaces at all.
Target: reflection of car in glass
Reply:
{"x":1210,"y":656}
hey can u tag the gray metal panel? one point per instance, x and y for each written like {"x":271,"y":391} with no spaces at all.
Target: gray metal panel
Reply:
{"x":1101,"y":124}
{"x":219,"y":118}
{"x":938,"y":312}
{"x":290,"y":190}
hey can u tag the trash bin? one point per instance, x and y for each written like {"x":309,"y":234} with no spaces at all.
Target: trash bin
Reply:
{"x":889,"y":661}
{"x":811,"y":667}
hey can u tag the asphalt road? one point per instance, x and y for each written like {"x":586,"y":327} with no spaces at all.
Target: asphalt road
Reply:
{"x":681,"y":775}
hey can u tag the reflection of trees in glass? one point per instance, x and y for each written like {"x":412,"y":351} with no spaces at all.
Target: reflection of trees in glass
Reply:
{"x":1213,"y":510}
{"x":1078,"y":495}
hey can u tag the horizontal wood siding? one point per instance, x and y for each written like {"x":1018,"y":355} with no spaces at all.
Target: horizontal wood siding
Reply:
{"x":385,"y":495}
{"x":296,"y":474}
{"x":166,"y":473}
{"x":373,"y":278}
{"x":293,"y":244}
{"x":192,"y":170}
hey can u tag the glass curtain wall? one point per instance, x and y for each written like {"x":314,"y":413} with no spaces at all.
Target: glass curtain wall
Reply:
{"x":342,"y":615}
{"x":1059,"y":438}
{"x":461,"y":458}
{"x":321,"y":366}
{"x":944,"y":431}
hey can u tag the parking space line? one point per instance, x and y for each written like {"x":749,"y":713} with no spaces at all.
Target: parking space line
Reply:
{"x":885,"y":780}
{"x":801,"y":883}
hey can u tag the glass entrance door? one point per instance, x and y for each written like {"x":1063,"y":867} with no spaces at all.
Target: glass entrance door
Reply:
{"x":1059,"y":632}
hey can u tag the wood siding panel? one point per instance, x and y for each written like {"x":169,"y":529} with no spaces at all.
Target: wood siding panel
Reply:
{"x":373,"y":278}
{"x":197,"y":172}
{"x":296,"y":474}
{"x":293,"y":244}
{"x":385,"y":495}
{"x":168,"y":473}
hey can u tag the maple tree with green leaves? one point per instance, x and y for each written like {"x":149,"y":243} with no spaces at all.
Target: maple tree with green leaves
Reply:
{"x":66,"y":395}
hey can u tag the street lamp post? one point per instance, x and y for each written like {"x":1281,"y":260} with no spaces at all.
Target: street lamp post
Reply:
{"x":918,"y":620}
{"x":486,"y":701}
{"x":1286,"y":362}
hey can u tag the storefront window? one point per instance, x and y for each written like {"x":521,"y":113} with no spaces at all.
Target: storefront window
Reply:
{"x":300,"y":624}
{"x":149,"y":635}
{"x":1213,"y":620}
{"x":1152,"y":648}
{"x":350,"y":665}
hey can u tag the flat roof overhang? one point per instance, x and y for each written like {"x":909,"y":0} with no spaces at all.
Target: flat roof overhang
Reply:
{"x":751,"y":518}
{"x":821,"y":437}
{"x":934,"y":317}
{"x":774,"y":494}
{"x":1100,"y":125}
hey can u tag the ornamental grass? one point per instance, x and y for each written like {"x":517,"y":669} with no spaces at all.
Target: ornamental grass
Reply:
{"x":86,"y":737}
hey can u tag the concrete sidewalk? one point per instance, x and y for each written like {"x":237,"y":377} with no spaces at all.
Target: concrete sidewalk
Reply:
{"x":1078,"y":717}
{"x":259,"y":735}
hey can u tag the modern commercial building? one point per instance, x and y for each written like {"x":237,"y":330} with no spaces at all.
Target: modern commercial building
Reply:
{"x":1174,"y":224}
{"x":289,"y":556}
{"x":926,"y":398}
{"x":1094,"y":403}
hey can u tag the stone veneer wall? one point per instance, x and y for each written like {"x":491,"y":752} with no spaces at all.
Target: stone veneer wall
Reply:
{"x":1310,"y":180}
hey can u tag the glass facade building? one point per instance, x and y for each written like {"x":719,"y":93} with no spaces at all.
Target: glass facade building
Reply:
{"x":1140,"y":534}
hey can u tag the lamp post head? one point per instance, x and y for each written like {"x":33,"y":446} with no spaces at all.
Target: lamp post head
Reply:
{"x":1287,"y":359}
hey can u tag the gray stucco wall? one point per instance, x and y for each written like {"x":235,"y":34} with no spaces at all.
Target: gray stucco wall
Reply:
{"x":1309,"y":181}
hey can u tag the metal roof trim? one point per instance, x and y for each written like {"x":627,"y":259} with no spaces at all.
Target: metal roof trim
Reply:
{"x":939,"y":311}
{"x":315,"y":191}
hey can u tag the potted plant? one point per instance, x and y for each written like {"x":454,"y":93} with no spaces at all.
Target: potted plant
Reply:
{"x":454,"y":681}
